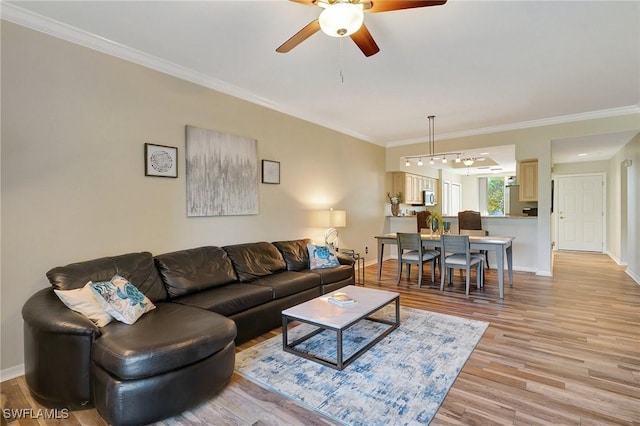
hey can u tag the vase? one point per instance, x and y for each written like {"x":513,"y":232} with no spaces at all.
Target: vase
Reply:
{"x":446,"y":227}
{"x":435,"y":225}
{"x":395,"y":209}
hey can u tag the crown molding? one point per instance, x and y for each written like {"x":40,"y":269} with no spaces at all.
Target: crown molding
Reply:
{"x":17,"y":15}
{"x":605,"y":113}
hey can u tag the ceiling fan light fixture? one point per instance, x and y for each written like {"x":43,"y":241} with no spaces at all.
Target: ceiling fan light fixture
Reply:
{"x":468,"y":161}
{"x":341,"y":19}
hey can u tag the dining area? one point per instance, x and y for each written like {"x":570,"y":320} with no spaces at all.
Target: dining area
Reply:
{"x":447,"y":252}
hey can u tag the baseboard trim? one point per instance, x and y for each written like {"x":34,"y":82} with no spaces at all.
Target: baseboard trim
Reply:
{"x":633,"y":276}
{"x":11,"y":373}
{"x":615,"y":258}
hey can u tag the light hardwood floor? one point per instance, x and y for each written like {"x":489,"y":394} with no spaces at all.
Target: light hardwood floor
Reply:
{"x":562,"y":350}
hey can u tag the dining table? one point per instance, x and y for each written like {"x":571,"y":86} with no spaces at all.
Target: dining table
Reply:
{"x":500,"y":245}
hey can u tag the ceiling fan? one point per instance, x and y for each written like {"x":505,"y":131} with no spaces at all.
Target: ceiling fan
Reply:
{"x":342,"y":18}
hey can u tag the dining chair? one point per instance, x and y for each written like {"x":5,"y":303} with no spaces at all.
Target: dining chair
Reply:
{"x":422,"y":219}
{"x":456,"y":254}
{"x":411,"y":252}
{"x":470,"y":223}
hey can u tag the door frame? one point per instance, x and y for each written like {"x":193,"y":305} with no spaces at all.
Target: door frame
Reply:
{"x":556,"y":218}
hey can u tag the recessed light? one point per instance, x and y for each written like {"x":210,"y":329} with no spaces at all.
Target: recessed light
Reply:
{"x":582,"y":154}
{"x":484,"y":153}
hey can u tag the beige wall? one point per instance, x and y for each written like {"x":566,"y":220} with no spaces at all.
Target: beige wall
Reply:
{"x":74,"y":122}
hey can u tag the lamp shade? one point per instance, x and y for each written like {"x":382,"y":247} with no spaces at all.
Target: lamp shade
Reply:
{"x":341,"y":19}
{"x":331,"y":219}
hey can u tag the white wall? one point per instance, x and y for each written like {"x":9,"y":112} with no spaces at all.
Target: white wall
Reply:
{"x":623,"y":228}
{"x":74,"y":123}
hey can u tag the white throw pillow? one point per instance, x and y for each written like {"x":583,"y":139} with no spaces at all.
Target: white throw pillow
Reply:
{"x":83,"y":301}
{"x":122,"y":299}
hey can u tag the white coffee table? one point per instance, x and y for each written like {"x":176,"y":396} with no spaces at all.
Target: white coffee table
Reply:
{"x":325,"y":315}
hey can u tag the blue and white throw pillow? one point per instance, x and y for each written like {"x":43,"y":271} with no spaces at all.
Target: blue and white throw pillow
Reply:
{"x":322,"y":257}
{"x":121,"y":299}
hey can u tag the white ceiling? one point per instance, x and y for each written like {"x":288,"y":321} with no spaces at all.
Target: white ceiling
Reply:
{"x":478,"y":66}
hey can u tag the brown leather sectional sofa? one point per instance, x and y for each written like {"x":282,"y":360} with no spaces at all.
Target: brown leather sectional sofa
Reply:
{"x":208,"y":299}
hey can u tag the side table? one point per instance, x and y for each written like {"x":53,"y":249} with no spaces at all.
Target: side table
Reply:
{"x":358,"y":266}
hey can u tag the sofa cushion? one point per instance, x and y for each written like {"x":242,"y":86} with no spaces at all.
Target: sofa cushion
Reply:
{"x":229,"y":299}
{"x":136,"y":267}
{"x":193,"y":270}
{"x":295,"y":253}
{"x":286,"y":283}
{"x":255,"y":260}
{"x":167,"y":338}
{"x":332,"y":275}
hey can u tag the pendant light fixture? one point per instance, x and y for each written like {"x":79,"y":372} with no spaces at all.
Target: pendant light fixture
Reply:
{"x":433,"y":155}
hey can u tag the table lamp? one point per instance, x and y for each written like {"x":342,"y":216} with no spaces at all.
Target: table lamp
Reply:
{"x":332,"y":219}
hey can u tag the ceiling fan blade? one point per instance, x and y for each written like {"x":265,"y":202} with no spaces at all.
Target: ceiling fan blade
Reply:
{"x":363,"y":39}
{"x":389,"y":5}
{"x":311,"y":28}
{"x":307,"y":2}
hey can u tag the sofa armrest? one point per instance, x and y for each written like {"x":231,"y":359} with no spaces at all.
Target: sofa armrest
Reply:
{"x":345,"y":259}
{"x":57,"y":337}
{"x":44,"y":311}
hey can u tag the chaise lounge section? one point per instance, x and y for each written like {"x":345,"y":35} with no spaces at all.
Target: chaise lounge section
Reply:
{"x":207,"y":300}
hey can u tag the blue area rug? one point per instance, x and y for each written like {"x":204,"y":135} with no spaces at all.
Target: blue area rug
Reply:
{"x":403,"y":379}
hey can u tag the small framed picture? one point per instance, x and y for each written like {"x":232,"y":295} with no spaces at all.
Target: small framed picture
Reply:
{"x":270,"y":171}
{"x":160,"y":160}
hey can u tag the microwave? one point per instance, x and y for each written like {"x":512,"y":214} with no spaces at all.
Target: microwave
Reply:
{"x":429,"y":197}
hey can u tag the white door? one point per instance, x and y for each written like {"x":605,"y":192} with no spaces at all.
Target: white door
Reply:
{"x":580,"y":213}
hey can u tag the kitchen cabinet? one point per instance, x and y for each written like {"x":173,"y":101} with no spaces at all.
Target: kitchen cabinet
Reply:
{"x":412,"y":186}
{"x":528,"y":180}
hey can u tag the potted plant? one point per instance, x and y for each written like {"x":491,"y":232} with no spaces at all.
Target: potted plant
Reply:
{"x":434,"y":220}
{"x":395,"y":202}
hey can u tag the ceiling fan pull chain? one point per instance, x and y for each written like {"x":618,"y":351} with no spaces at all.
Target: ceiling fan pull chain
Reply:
{"x":341,"y":60}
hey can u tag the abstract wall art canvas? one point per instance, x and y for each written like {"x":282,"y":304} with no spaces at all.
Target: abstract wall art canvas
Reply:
{"x":222,"y":173}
